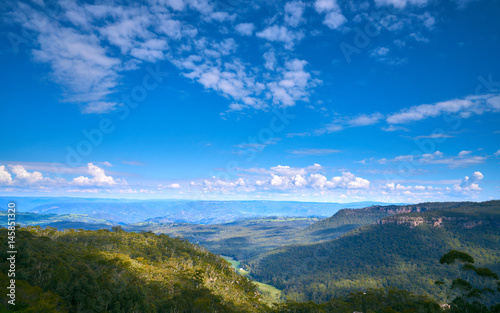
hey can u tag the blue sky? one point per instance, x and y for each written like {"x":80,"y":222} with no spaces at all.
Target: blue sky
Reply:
{"x":384,"y":100}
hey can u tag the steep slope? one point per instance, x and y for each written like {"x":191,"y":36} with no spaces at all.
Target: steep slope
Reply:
{"x":103,"y":271}
{"x":400,"y":250}
{"x":349,"y":219}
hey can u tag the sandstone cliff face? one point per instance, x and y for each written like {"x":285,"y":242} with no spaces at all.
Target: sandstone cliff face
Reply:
{"x":413,"y":221}
{"x":397,"y":209}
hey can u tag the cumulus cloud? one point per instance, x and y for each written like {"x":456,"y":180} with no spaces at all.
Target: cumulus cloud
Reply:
{"x":398,"y":187}
{"x":294,"y":11}
{"x":25,"y":177}
{"x":270,"y":58}
{"x":470,"y":183}
{"x":98,"y":178}
{"x":334,"y":18}
{"x":281,"y":34}
{"x":293,"y":85}
{"x":216,"y":184}
{"x":17,"y":175}
{"x":245,"y":29}
{"x":286,"y":177}
{"x":5,"y":177}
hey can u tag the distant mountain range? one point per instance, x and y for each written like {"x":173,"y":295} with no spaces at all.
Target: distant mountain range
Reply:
{"x":124,"y":211}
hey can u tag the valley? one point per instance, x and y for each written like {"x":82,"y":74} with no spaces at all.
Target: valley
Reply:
{"x":292,"y":258}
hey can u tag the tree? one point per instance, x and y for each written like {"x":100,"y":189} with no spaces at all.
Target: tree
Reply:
{"x":470,"y":297}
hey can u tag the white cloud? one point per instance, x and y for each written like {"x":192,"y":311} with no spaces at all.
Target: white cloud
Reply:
{"x":433,"y":136}
{"x":464,"y":153}
{"x":25,"y":177}
{"x":307,"y":152}
{"x":464,"y":108}
{"x":5,"y":177}
{"x":382,"y":54}
{"x":293,"y":85}
{"x":89,"y":46}
{"x":81,"y":65}
{"x":80,"y":53}
{"x":281,"y":34}
{"x":293,"y":13}
{"x":470,"y":183}
{"x":220,"y":16}
{"x":175,"y":186}
{"x":348,"y":180}
{"x":245,"y":29}
{"x":497,"y":153}
{"x":463,"y":159}
{"x":340,"y":124}
{"x":398,"y":187}
{"x":319,"y":181}
{"x":286,"y":177}
{"x":323,"y":6}
{"x":334,"y":18}
{"x":299,"y":181}
{"x":392,"y":128}
{"x":279,"y":181}
{"x":365,"y":120}
{"x":270,"y":58}
{"x":400,"y":4}
{"x":292,"y":171}
{"x":98,"y":178}
{"x":381,"y":51}
{"x":427,"y":19}
{"x":223,"y":185}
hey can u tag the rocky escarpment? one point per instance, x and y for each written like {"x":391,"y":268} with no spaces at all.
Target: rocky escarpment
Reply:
{"x":398,"y":209}
{"x":440,"y":221}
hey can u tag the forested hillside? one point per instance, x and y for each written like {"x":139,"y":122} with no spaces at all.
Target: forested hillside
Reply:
{"x":117,"y":271}
{"x":401,"y":250}
{"x":349,"y":219}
